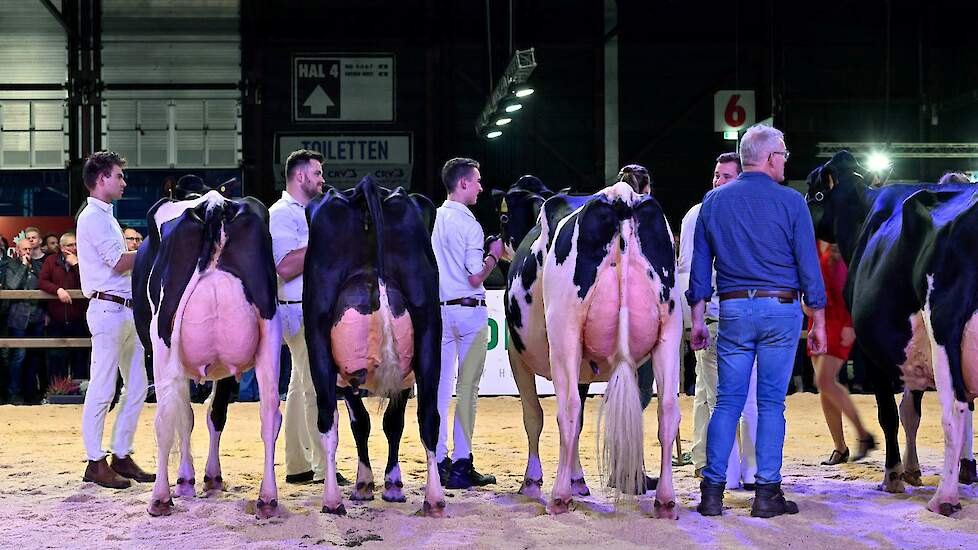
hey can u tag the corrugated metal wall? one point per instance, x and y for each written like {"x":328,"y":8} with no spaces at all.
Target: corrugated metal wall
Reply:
{"x":158,"y":59}
{"x":33,"y":52}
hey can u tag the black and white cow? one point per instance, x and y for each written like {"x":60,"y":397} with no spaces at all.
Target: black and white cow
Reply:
{"x":912,"y":252}
{"x":372,"y":317}
{"x":590,"y":294}
{"x":204,"y":302}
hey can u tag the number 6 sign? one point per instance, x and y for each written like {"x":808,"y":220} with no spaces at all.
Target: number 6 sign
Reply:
{"x":733,"y":110}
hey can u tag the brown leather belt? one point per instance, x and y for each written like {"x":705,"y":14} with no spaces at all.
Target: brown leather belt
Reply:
{"x":784,"y":296}
{"x":112,"y":298}
{"x":466,"y":302}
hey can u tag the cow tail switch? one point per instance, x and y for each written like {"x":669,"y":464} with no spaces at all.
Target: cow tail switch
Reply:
{"x":620,"y":454}
{"x":388,"y":374}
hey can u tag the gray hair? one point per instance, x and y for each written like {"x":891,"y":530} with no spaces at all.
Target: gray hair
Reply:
{"x":758,"y":142}
{"x":65,"y":237}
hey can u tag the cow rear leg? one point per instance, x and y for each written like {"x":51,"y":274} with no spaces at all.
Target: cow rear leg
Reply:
{"x":394,"y":429}
{"x":172,"y":394}
{"x":578,"y":484}
{"x":266,"y":373}
{"x":185,"y":472}
{"x":217,"y":414}
{"x":910,"y":418}
{"x":890,"y":422}
{"x":363,"y":490}
{"x":565,"y":361}
{"x":532,"y":485}
{"x":332,"y":503}
{"x":665,"y":366}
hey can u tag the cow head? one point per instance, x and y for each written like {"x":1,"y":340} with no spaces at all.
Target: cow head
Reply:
{"x":518,"y":210}
{"x":191,"y":186}
{"x":836,"y":198}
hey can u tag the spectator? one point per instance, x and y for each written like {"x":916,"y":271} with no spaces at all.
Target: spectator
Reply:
{"x":133,"y":238}
{"x":33,"y":234}
{"x":66,"y":315}
{"x":25,"y":318}
{"x":51,"y":244}
{"x":5,"y":262}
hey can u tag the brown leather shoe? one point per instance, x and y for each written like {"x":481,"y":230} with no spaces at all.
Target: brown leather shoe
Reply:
{"x":125,"y":467}
{"x":99,"y":472}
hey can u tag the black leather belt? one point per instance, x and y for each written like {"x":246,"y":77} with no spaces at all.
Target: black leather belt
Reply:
{"x":466,"y":302}
{"x":784,"y":296}
{"x":112,"y":298}
{"x":288,"y":302}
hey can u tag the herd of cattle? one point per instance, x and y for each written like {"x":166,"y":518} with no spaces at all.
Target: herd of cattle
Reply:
{"x":591,"y":293}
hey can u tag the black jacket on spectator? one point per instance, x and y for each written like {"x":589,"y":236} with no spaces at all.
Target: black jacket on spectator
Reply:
{"x":24,"y":277}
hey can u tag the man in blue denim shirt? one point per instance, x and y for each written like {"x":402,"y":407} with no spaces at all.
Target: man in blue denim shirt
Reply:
{"x":759,"y":237}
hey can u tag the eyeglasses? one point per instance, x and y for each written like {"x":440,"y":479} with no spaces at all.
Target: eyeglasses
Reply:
{"x":70,"y":244}
{"x":139,"y":239}
{"x":784,"y":153}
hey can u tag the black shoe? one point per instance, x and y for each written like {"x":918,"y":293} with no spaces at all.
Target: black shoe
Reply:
{"x":444,"y":468}
{"x":463,"y":475}
{"x":968,"y":474}
{"x":16,"y":400}
{"x":865,"y":445}
{"x":711,"y":499}
{"x":837,"y":458}
{"x":769,"y":501}
{"x":299,"y":479}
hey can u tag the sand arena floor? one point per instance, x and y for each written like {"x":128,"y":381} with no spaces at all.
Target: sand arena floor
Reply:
{"x":44,"y":503}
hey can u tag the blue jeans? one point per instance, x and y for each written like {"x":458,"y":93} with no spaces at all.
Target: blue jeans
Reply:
{"x":25,"y":364}
{"x":768,"y":330}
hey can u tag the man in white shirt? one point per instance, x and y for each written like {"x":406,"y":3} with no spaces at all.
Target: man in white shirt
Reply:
{"x":463,"y":265}
{"x":304,"y":458}
{"x":742,"y":465}
{"x":105,"y":267}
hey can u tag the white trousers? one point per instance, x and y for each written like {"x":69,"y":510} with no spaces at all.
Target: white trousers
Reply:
{"x":115,"y":350}
{"x":303,"y":449}
{"x":464,"y":335}
{"x":742,"y":465}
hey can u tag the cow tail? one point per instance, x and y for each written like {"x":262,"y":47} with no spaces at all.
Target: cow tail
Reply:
{"x":174,"y":417}
{"x":620,"y":454}
{"x":213,"y":223}
{"x":388,"y":374}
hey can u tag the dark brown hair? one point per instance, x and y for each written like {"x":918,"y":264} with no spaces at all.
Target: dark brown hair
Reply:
{"x":100,"y":164}
{"x":730,"y":157}
{"x":455,"y":169}
{"x":299,"y":158}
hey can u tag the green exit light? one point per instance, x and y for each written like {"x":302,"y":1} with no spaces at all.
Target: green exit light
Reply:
{"x":730,"y":135}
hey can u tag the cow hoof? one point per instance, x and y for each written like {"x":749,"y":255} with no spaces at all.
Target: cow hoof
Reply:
{"x":532,"y":488}
{"x":363,"y":491}
{"x":912,"y":478}
{"x":393,"y":491}
{"x":579,"y":487}
{"x":214,"y":484}
{"x":944,"y":508}
{"x":669,"y":510}
{"x":560,"y":506}
{"x":185,"y":487}
{"x":893,"y":483}
{"x":340,"y":510}
{"x":265,"y":510}
{"x":432,"y":511}
{"x":159,"y":508}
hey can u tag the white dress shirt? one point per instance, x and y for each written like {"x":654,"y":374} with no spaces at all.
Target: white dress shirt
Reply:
{"x":458,"y":243}
{"x":100,"y":245}
{"x":686,"y":233}
{"x":290,"y":231}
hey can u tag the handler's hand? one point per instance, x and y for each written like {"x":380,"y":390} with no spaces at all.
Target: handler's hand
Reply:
{"x":699,"y":336}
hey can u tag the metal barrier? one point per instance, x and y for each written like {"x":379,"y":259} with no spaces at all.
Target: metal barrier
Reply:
{"x":42,"y":342}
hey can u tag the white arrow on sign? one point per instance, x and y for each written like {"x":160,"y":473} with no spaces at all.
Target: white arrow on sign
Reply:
{"x":318,"y":101}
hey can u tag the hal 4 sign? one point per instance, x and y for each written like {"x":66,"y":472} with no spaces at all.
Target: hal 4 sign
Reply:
{"x":343,"y":87}
{"x":733,"y":110}
{"x":317,"y":88}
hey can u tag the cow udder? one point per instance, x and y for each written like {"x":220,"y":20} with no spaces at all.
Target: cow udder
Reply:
{"x":219,"y":325}
{"x":356,"y":341}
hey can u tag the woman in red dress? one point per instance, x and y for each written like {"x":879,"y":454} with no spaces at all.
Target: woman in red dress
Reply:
{"x":838,"y":327}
